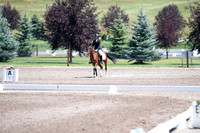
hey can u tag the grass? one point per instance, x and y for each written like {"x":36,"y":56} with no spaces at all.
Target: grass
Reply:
{"x":198,"y":102}
{"x":42,"y":45}
{"x":83,"y":62}
{"x":131,"y":7}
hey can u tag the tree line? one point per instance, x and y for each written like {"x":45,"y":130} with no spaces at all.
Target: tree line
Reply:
{"x":72,"y":25}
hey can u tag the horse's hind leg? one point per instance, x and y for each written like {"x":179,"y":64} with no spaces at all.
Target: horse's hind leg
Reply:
{"x":105,"y":62}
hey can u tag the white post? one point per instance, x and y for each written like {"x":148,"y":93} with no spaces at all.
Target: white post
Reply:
{"x":1,"y":88}
{"x":112,"y":90}
{"x":4,"y":74}
{"x":15,"y":77}
{"x":196,"y":115}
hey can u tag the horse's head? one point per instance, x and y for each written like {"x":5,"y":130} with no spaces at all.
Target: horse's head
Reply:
{"x":90,"y":49}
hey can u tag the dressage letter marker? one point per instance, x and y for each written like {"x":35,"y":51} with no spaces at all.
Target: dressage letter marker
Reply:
{"x":196,"y":115}
{"x":10,"y":74}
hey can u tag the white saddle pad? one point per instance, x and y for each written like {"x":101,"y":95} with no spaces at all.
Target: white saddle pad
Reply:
{"x":102,"y":54}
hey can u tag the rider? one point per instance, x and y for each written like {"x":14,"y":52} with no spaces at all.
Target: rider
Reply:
{"x":96,"y":46}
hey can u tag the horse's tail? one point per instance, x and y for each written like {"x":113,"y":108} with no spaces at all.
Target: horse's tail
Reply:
{"x":111,"y":58}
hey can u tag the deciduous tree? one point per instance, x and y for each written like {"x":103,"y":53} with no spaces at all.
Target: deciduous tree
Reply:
{"x":12,"y":15}
{"x":114,"y":12}
{"x":169,"y":23}
{"x":194,"y":25}
{"x":71,"y":23}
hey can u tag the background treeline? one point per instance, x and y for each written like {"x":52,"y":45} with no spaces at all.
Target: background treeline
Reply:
{"x":71,"y":25}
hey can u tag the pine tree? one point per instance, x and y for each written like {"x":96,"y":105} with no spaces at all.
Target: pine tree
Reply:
{"x":8,"y":45}
{"x":119,"y":48}
{"x":37,"y":28}
{"x":142,"y":42}
{"x":24,"y":36}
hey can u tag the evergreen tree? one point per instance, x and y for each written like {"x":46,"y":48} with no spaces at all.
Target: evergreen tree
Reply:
{"x":24,"y":36}
{"x":142,"y":42}
{"x":37,"y":28}
{"x":119,"y":48}
{"x":8,"y":45}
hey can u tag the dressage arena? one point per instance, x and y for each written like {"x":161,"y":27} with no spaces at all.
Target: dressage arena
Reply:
{"x":95,"y":111}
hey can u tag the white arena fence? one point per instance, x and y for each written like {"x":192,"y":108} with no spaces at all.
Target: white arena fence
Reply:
{"x":99,"y":87}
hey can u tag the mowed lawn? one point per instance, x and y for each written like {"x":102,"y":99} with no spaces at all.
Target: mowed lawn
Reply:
{"x":131,"y":7}
{"x":175,"y":62}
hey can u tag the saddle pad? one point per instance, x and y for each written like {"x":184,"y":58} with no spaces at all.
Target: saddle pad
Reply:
{"x":102,"y":54}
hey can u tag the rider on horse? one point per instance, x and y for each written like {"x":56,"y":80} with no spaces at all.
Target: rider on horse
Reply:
{"x":96,"y":46}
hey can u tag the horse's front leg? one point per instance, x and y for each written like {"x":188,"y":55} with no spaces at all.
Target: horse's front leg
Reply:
{"x":95,"y":72}
{"x":101,"y":71}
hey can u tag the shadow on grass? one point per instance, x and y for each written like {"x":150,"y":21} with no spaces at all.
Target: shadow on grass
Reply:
{"x":53,"y":63}
{"x":46,"y":63}
{"x":139,"y":64}
{"x":53,"y":57}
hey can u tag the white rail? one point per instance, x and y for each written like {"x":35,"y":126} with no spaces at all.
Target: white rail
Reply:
{"x":178,"y":122}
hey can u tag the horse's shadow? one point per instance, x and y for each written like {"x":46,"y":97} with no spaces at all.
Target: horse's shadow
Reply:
{"x":85,"y":77}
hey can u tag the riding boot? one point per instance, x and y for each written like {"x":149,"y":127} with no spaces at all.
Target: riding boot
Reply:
{"x":100,"y":59}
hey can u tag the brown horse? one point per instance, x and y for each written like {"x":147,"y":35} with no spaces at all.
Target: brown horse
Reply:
{"x":94,"y":59}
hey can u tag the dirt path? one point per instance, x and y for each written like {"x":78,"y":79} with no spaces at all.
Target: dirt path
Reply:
{"x":116,"y":76}
{"x":89,"y":113}
{"x":96,"y":113}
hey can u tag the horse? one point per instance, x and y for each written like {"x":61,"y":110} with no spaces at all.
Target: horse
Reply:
{"x":95,"y":60}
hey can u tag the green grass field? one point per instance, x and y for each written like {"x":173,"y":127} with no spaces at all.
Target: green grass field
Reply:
{"x":131,"y":7}
{"x":83,"y":62}
{"x":151,"y":7}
